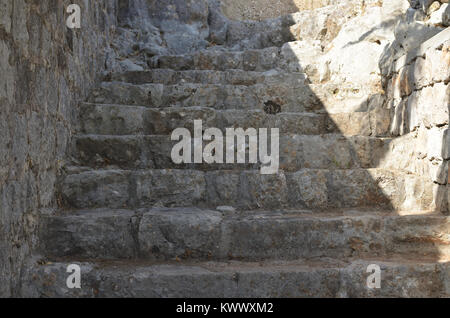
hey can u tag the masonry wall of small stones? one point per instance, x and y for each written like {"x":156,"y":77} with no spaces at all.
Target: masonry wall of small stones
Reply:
{"x":418,"y":95}
{"x":46,"y":68}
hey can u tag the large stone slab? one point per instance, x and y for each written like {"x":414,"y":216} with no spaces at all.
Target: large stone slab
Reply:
{"x":249,"y":60}
{"x":229,"y":77}
{"x":306,"y":188}
{"x":137,"y":120}
{"x":191,"y":233}
{"x":290,"y":279}
{"x":103,"y":234}
{"x":328,"y":151}
{"x":298,"y":98}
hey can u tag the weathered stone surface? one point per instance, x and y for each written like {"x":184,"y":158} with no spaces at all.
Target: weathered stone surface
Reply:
{"x":163,"y":26}
{"x":307,"y":188}
{"x":228,"y":77}
{"x":360,"y":45}
{"x":419,"y":95}
{"x":292,"y":96}
{"x":357,"y":72}
{"x":169,"y":187}
{"x":131,"y":120}
{"x":440,"y":61}
{"x":448,"y":196}
{"x":103,"y":234}
{"x":263,"y":9}
{"x":424,"y":159}
{"x":327,"y":23}
{"x":46,"y":68}
{"x":112,"y":119}
{"x":290,"y":279}
{"x":189,"y":233}
{"x":97,"y":189}
{"x":404,"y":49}
{"x":257,"y":35}
{"x":437,"y":98}
{"x":328,"y":151}
{"x":304,"y":56}
{"x":441,"y":16}
{"x":336,"y":97}
{"x":446,"y":145}
{"x":248,"y":60}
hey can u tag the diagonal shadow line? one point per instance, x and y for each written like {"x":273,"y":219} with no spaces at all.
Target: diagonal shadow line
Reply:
{"x":385,"y":201}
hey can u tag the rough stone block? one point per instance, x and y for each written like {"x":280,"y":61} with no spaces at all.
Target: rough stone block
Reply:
{"x":97,"y":189}
{"x":97,"y":234}
{"x":170,"y":187}
{"x":184,"y":233}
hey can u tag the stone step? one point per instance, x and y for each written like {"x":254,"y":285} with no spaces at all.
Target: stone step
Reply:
{"x":283,"y":97}
{"x":329,"y":151}
{"x":325,"y":278}
{"x":190,"y":233}
{"x":260,"y":34}
{"x":294,"y":56}
{"x":272,"y":98}
{"x":229,"y":77}
{"x":306,"y":188}
{"x":249,"y":60}
{"x":138,"y":120}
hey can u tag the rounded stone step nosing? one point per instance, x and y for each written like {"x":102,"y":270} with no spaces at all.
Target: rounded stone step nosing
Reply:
{"x":291,"y":97}
{"x":326,"y":278}
{"x":229,"y":77}
{"x":306,"y":188}
{"x":331,"y":151}
{"x":190,"y":233}
{"x":129,"y":120}
{"x":250,"y":60}
{"x":105,"y":119}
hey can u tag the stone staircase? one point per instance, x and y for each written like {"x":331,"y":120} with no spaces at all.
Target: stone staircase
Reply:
{"x":141,"y":226}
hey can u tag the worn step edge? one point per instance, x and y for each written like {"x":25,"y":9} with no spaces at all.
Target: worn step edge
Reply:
{"x":190,"y":233}
{"x":209,"y":108}
{"x":286,"y":95}
{"x":228,"y":77}
{"x":399,"y":278}
{"x":129,"y":120}
{"x":325,"y":151}
{"x":111,"y":119}
{"x":306,"y":188}
{"x":245,"y":60}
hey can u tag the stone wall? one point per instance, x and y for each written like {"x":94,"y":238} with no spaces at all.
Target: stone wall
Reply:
{"x":355,"y":61}
{"x":46,"y":68}
{"x":418,"y":95}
